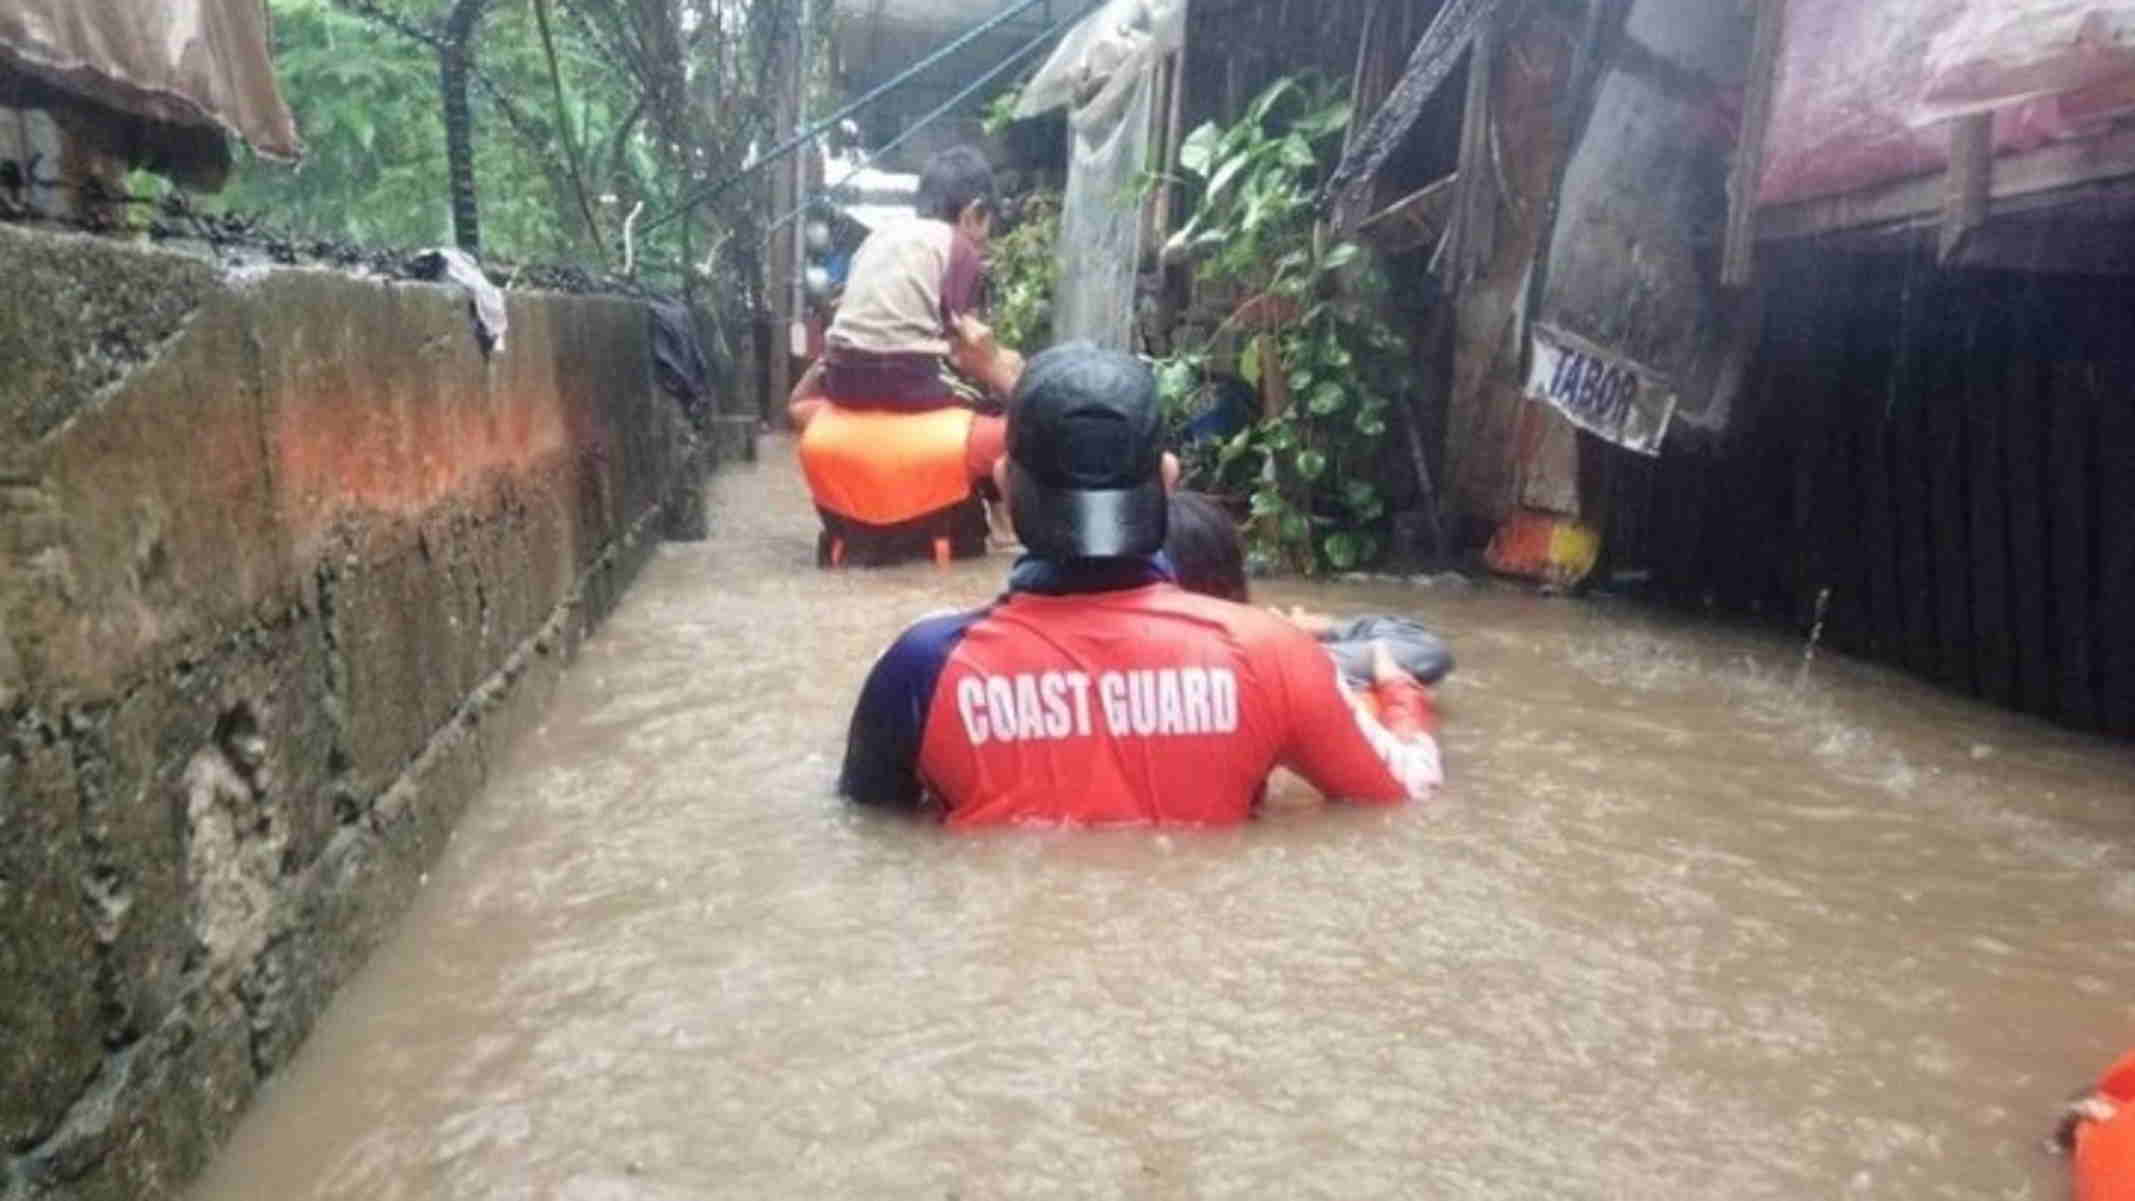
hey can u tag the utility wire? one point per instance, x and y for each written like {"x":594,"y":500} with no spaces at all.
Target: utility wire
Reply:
{"x":876,"y":93}
{"x":1018,"y":55}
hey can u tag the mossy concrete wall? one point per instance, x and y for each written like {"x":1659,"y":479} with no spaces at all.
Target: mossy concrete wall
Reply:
{"x":286,"y":563}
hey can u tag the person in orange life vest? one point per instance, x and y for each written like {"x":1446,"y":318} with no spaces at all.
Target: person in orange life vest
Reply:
{"x":909,"y":309}
{"x":1096,"y":691}
{"x":2098,"y":1132}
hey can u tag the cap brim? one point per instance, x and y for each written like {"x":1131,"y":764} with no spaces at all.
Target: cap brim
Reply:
{"x":1080,"y":523}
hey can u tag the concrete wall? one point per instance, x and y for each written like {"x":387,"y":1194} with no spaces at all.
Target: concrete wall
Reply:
{"x":285,"y":565}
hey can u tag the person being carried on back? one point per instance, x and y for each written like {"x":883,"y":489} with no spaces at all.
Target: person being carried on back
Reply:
{"x":1209,"y":557}
{"x":911,"y":306}
{"x":1096,"y":691}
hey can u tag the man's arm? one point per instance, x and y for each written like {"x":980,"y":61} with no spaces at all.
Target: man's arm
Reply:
{"x":889,"y":723}
{"x":1381,"y":753}
{"x":974,"y":351}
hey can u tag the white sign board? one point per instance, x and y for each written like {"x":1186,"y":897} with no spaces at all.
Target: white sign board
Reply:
{"x":1600,"y":393}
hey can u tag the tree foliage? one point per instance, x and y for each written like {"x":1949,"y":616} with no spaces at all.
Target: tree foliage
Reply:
{"x":626,"y":105}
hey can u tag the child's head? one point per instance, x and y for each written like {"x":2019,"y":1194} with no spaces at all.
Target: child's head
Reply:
{"x":1205,"y":548}
{"x":957,"y":186}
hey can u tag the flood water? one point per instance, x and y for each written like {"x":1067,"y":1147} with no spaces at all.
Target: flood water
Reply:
{"x":1682,"y":925}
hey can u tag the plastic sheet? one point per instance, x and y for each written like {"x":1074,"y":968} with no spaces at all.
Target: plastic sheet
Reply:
{"x":1865,"y":85}
{"x":1998,"y":54}
{"x":187,"y":62}
{"x":1102,"y":70}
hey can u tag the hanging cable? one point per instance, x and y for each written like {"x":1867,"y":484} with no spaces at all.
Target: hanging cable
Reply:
{"x":873,"y":94}
{"x":1018,"y":55}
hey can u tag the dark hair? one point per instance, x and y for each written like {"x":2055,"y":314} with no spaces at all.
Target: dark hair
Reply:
{"x":951,"y":181}
{"x":1205,"y":548}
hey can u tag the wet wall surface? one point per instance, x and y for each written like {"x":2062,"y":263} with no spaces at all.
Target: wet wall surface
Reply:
{"x":285,"y":562}
{"x":1690,"y":920}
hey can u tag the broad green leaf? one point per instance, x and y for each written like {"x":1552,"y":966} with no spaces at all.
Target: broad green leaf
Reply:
{"x":1262,"y":104}
{"x":1325,"y":121}
{"x":1267,"y":503}
{"x":1199,"y":149}
{"x":1225,"y":173}
{"x":1174,"y":379}
{"x":1311,"y":464}
{"x":1328,"y":397}
{"x":1249,"y":362}
{"x":1340,"y":256}
{"x":1296,"y":152}
{"x":1295,"y":527}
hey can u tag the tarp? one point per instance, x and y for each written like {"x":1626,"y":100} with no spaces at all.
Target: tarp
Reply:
{"x":186,"y":62}
{"x":1102,"y":70}
{"x":1865,"y":87}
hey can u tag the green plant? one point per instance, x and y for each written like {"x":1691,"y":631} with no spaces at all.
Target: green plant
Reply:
{"x":1000,"y":112}
{"x":1317,"y":348}
{"x":1023,"y":265}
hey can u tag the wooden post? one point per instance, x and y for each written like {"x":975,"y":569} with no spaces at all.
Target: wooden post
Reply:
{"x":1738,"y":264}
{"x":1968,"y":183}
{"x":1362,"y":86}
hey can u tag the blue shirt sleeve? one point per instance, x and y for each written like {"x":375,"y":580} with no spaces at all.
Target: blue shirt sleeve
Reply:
{"x":890,"y":722}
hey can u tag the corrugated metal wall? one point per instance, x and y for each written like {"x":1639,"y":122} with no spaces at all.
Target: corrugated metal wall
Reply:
{"x":1950,"y":453}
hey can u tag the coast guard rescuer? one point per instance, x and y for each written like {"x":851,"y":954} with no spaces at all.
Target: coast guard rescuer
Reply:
{"x":1096,"y":691}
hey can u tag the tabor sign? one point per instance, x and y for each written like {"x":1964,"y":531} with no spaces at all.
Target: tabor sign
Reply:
{"x":1599,"y":393}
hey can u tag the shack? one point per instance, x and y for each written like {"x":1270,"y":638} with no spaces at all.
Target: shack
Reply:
{"x":1800,"y":310}
{"x":1934,"y":448}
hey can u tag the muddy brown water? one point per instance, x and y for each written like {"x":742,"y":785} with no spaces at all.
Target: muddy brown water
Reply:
{"x":1683,"y":925}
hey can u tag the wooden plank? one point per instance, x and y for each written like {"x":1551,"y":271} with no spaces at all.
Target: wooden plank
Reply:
{"x":1746,"y":175}
{"x":1843,"y":517}
{"x":1812,"y":360}
{"x":1871,"y":362}
{"x":1950,"y":528}
{"x":1914,"y":538}
{"x":2074,"y":406}
{"x":2116,"y":540}
{"x":1364,"y":81}
{"x":1993,"y":641}
{"x":1417,"y":219}
{"x":2021,"y":182}
{"x":1475,"y":206}
{"x":2024,"y":475}
{"x":1968,"y":182}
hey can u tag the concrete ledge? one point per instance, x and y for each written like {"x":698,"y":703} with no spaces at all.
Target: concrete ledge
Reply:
{"x":286,"y":564}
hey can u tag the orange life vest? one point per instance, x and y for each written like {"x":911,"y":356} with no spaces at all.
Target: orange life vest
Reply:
{"x":885,"y":468}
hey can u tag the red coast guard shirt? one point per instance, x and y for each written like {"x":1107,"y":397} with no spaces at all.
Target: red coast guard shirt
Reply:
{"x":1100,"y":693}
